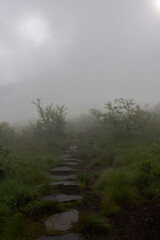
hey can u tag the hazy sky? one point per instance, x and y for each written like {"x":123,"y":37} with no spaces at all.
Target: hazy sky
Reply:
{"x":78,"y":52}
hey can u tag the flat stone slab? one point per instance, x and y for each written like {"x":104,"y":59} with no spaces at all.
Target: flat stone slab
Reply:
{"x":62,"y":198}
{"x":60,"y":183}
{"x":65,"y":155}
{"x":71,"y":163}
{"x":63,"y":178}
{"x":73,"y":147}
{"x":62,"y":169}
{"x":73,"y":159}
{"x":64,"y":183}
{"x":70,"y":236}
{"x":62,"y":221}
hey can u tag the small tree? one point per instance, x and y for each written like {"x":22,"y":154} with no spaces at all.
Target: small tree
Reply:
{"x":124,"y":116}
{"x":7,"y":132}
{"x":51,"y":119}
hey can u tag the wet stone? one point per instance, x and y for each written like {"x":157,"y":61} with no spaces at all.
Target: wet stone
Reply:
{"x":67,"y":152}
{"x":65,"y":156}
{"x":63,"y":178}
{"x":62,"y":198}
{"x":64,"y":183}
{"x":71,"y":163}
{"x":73,"y":147}
{"x":62,"y":169}
{"x":62,"y":221}
{"x":70,"y":236}
{"x":73,"y":159}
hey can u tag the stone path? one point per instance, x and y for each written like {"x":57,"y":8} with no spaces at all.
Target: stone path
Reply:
{"x":62,"y":198}
{"x":64,"y":183}
{"x":63,"y":178}
{"x":64,"y":221}
{"x":71,"y":236}
{"x":62,"y":169}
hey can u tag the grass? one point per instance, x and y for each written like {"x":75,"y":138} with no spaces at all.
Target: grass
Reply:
{"x":148,"y":178}
{"x":110,"y":209}
{"x":105,"y":158}
{"x":38,"y":207}
{"x":23,"y":169}
{"x":18,"y":227}
{"x":94,"y":224}
{"x":84,"y":179}
{"x":116,"y":186}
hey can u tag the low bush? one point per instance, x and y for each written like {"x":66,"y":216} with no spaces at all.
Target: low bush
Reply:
{"x":84,"y":179}
{"x":148,"y":179}
{"x":94,"y":224}
{"x":18,"y":227}
{"x":38,"y":207}
{"x":110,"y":209}
{"x":116,"y":186}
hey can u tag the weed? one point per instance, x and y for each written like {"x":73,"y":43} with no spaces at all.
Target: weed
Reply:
{"x":116,"y":186}
{"x":110,"y":209}
{"x":84,"y":179}
{"x":38,"y":207}
{"x":94,"y":224}
{"x":18,"y":228}
{"x":148,"y":179}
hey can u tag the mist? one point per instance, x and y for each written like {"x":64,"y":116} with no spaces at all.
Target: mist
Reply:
{"x":78,"y":53}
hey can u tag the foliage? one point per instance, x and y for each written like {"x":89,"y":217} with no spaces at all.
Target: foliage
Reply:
{"x":124,"y":116}
{"x":110,"y":209}
{"x":84,"y":179}
{"x":148,"y":180}
{"x":51,"y":119}
{"x":18,"y":228}
{"x":37,"y":207}
{"x":94,"y":224}
{"x":117,"y":187}
{"x":4,"y":161}
{"x":7,"y":133}
{"x":15,"y":193}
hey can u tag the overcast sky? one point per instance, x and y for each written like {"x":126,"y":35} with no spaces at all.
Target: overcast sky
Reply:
{"x":78,"y":52}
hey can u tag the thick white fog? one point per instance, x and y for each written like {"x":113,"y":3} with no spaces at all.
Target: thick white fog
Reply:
{"x":80,"y":53}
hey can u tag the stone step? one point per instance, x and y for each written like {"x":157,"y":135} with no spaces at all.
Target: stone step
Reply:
{"x":63,"y":178}
{"x":62,"y":221}
{"x":63,"y":169}
{"x":65,"y":156}
{"x":70,"y":236}
{"x":73,"y":159}
{"x":60,"y":183}
{"x":71,"y":163}
{"x":62,"y":198}
{"x":69,"y":152}
{"x":73,"y":147}
{"x":64,"y":183}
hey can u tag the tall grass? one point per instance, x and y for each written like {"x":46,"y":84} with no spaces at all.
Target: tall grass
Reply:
{"x":116,"y":186}
{"x":92,"y":224}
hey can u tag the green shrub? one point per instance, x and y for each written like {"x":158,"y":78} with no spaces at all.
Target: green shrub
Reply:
{"x":38,"y":207}
{"x":15,"y":194}
{"x":116,"y":186}
{"x":18,"y":228}
{"x":94,"y":224}
{"x":148,"y":180}
{"x":110,"y":209}
{"x":84,"y":179}
{"x":105,"y":158}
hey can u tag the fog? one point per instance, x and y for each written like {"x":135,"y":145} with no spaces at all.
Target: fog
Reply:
{"x":80,"y":53}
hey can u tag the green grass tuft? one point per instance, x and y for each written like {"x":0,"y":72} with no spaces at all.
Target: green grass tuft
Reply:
{"x":116,"y":186}
{"x":84,"y":179}
{"x":94,"y":224}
